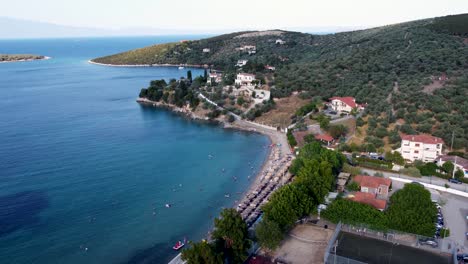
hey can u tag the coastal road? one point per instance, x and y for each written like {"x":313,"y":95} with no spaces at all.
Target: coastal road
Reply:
{"x":430,"y":180}
{"x":277,"y":137}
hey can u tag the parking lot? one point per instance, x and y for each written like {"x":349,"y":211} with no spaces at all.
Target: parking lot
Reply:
{"x":454,"y":210}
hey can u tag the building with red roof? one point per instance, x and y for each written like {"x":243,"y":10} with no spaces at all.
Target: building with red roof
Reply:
{"x":375,"y":185}
{"x":325,"y":138}
{"x":370,"y":199}
{"x":344,"y":104}
{"x":420,"y":147}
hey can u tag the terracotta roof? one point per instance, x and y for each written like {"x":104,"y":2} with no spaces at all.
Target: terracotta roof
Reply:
{"x":347,"y":100}
{"x":423,"y":138}
{"x":324,"y":137}
{"x":460,"y":161}
{"x":371,"y":181}
{"x":369,"y":198}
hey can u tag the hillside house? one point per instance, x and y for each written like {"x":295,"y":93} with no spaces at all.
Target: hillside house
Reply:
{"x":420,"y":147}
{"x":458,"y":162}
{"x":250,"y":49}
{"x":344,"y":104}
{"x":280,"y":42}
{"x":206,"y":50}
{"x":325,"y":138}
{"x":214,"y":77}
{"x":270,"y":68}
{"x":244,"y":79}
{"x":241,"y":63}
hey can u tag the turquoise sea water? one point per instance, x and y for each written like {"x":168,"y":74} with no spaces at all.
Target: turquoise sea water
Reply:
{"x":82,"y":165}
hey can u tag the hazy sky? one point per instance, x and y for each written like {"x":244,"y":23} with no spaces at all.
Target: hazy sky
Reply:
{"x":222,"y":14}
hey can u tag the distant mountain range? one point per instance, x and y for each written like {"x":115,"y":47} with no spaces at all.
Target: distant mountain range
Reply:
{"x":12,"y":28}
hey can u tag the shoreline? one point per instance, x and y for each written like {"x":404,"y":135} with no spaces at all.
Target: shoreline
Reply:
{"x":25,"y":60}
{"x":150,"y":65}
{"x":276,"y":160}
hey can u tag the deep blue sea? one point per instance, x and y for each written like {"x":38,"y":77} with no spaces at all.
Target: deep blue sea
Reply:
{"x":83,"y":166}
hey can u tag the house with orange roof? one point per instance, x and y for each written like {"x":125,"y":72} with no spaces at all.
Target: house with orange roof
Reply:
{"x":420,"y":147}
{"x":368,"y":198}
{"x":324,"y":138}
{"x":375,"y":185}
{"x":373,"y":191}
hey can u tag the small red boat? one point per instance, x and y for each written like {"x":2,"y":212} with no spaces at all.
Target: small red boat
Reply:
{"x":179,"y":245}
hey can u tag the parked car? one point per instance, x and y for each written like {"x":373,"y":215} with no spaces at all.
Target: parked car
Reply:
{"x":428,"y":241}
{"x":462,"y":257}
{"x":332,"y":112}
{"x":453,"y":180}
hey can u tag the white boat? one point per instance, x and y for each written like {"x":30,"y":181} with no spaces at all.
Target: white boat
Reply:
{"x":181,"y":67}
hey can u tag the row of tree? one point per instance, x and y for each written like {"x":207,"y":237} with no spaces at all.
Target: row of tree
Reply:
{"x":230,"y":242}
{"x":315,"y":169}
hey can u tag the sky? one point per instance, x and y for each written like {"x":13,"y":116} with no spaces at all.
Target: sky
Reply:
{"x":228,"y":14}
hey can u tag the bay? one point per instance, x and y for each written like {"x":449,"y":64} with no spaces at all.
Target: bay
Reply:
{"x":85,"y":171}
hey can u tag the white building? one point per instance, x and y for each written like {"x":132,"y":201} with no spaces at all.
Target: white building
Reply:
{"x":206,"y":50}
{"x":241,"y":63}
{"x":214,"y":77}
{"x":344,"y":104}
{"x":244,"y":79}
{"x":280,"y":42}
{"x":458,"y":162}
{"x":420,"y":147}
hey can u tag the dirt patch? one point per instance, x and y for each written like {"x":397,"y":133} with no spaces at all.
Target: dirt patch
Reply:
{"x":299,"y":135}
{"x":261,"y":33}
{"x":281,"y":115}
{"x":304,"y":244}
{"x":436,"y":84}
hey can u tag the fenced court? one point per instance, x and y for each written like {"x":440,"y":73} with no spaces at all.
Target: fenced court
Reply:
{"x":354,"y":245}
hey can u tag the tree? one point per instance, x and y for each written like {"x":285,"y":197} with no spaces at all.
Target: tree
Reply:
{"x":189,"y":75}
{"x":448,"y":167}
{"x":337,"y":131}
{"x":254,"y":94}
{"x":459,"y":174}
{"x":230,"y":235}
{"x":205,"y":76}
{"x":269,"y":234}
{"x":411,"y":210}
{"x":353,"y":186}
{"x":200,"y":253}
{"x":324,"y":121}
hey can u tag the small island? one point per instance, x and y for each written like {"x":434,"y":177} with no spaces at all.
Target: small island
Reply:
{"x":21,"y":57}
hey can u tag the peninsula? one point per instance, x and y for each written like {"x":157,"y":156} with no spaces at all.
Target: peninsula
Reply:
{"x":21,"y":57}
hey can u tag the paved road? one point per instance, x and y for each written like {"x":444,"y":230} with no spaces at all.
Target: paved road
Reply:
{"x":431,"y":180}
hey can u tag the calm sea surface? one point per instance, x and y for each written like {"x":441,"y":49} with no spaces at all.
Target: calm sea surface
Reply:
{"x":83,"y":166}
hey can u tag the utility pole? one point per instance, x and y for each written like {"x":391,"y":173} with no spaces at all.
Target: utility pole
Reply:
{"x":454,"y":167}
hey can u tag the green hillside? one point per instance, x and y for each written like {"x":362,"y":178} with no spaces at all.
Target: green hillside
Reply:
{"x":395,"y":69}
{"x":223,"y":53}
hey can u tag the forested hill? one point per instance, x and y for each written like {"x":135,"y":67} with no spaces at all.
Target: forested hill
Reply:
{"x":414,"y":74}
{"x":223,"y":50}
